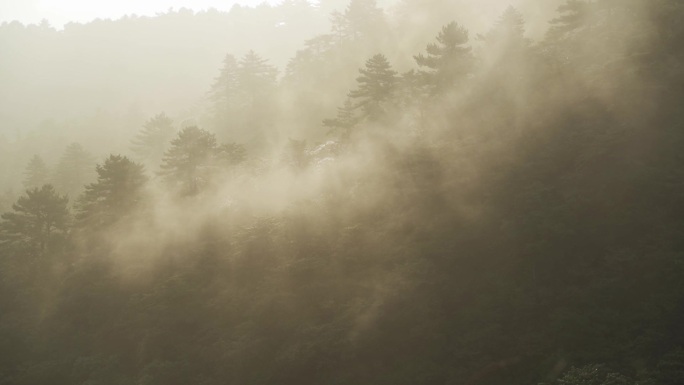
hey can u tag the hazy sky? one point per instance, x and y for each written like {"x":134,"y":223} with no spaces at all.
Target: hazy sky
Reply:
{"x":60,"y":12}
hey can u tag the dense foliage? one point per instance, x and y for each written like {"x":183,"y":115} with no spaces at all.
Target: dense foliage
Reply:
{"x":504,"y":211}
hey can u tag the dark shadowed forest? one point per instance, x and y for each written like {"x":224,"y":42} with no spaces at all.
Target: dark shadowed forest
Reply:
{"x":347,"y":192}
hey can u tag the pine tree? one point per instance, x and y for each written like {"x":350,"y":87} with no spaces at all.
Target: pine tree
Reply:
{"x":339,"y":26}
{"x":242,"y":83}
{"x":413,"y":88}
{"x":449,"y":60}
{"x":118,"y":191}
{"x":150,"y":143}
{"x":508,"y":34}
{"x":511,"y":24}
{"x":507,"y":55}
{"x":256,"y":79}
{"x":224,"y":91}
{"x":306,"y":67}
{"x":565,"y":40}
{"x":36,"y":173}
{"x":243,"y":96}
{"x":376,"y":87}
{"x":38,"y":217}
{"x":413,"y":94}
{"x":74,"y":170}
{"x":573,"y":15}
{"x":345,"y":120}
{"x":188,"y":164}
{"x":362,"y":19}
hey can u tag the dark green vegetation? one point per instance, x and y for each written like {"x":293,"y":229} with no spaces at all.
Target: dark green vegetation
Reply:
{"x":500,"y":211}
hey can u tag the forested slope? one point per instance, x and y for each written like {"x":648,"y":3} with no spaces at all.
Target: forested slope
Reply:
{"x":505,"y":211}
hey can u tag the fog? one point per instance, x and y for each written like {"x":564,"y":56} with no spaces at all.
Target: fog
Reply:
{"x":342,"y":192}
{"x":59,"y":13}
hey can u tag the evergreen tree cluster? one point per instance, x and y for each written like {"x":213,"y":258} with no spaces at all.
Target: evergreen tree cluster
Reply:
{"x":503,"y":211}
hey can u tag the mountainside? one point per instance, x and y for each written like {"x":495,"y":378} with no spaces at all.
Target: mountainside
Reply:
{"x":485,"y":209}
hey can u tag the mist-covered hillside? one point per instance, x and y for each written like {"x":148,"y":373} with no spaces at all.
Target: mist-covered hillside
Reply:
{"x":97,"y":82}
{"x":423,"y":192}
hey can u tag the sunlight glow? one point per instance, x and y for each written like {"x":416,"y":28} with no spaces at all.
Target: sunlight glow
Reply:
{"x":60,"y":12}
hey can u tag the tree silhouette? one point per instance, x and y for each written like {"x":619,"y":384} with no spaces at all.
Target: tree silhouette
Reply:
{"x":362,"y":19}
{"x":187,"y":164}
{"x":242,"y":84}
{"x":572,"y":15}
{"x":507,"y":56}
{"x":507,"y":37}
{"x":243,"y":96}
{"x":36,"y":173}
{"x":74,"y":170}
{"x":256,"y":79}
{"x":37,"y":217}
{"x":118,"y":190}
{"x":345,"y":120}
{"x":376,"y":86}
{"x":150,"y":143}
{"x":224,"y":91}
{"x":449,"y":60}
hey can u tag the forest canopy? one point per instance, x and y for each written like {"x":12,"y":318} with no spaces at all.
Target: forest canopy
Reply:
{"x":347,"y":192}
